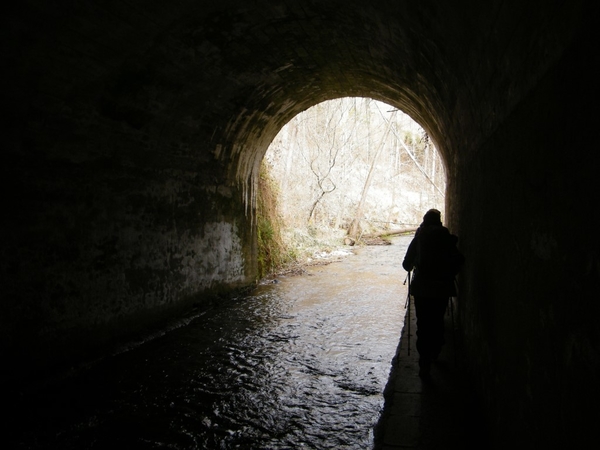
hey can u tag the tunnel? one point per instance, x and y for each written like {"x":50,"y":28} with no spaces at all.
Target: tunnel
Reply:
{"x":134,"y":133}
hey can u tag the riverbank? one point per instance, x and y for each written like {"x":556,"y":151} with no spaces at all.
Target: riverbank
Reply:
{"x":329,"y":251}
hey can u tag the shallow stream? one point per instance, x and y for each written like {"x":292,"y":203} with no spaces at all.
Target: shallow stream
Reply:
{"x":300,"y":363}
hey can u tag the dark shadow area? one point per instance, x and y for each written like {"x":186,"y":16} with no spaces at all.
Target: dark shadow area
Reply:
{"x":441,"y":412}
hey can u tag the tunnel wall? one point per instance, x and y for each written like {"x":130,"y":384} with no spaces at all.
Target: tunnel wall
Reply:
{"x":116,"y":217}
{"x":111,"y":244}
{"x":528,"y":219}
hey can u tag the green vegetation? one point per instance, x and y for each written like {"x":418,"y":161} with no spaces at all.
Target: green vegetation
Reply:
{"x":272,"y":252}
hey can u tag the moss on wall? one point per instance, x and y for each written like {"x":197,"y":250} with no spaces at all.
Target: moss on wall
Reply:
{"x":272,"y":251}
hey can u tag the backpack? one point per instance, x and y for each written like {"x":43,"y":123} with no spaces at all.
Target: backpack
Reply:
{"x":437,"y":255}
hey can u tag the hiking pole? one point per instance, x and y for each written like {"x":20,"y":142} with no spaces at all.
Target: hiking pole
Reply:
{"x":453,"y":332}
{"x":407,"y":308}
{"x":456,"y":349}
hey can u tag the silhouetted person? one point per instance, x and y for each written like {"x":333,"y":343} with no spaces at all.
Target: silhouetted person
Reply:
{"x":434,"y":259}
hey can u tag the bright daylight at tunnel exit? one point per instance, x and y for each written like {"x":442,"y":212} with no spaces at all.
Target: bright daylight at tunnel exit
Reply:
{"x":348,"y":170}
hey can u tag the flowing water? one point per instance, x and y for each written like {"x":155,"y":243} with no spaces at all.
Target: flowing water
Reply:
{"x":299,"y":363}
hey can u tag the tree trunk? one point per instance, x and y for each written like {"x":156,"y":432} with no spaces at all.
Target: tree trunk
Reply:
{"x":354,"y":229}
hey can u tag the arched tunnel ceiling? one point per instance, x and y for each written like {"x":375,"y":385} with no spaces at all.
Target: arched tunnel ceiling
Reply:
{"x":226,"y":76}
{"x":420,"y":58}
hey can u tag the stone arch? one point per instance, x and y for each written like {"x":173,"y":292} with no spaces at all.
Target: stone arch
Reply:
{"x":253,"y":136}
{"x":306,"y":55}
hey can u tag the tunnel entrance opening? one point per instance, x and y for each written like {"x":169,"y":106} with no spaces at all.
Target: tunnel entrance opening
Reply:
{"x":352,"y":167}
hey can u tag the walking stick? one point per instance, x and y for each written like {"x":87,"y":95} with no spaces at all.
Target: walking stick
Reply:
{"x":407,"y":307}
{"x":458,"y":321}
{"x":453,"y":332}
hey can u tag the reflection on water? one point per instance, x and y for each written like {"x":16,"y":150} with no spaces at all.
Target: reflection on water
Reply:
{"x":300,"y":363}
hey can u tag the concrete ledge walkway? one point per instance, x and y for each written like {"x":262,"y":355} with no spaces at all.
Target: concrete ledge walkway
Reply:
{"x":440,"y":412}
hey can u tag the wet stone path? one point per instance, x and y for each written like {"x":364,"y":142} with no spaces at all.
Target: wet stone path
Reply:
{"x":299,"y":363}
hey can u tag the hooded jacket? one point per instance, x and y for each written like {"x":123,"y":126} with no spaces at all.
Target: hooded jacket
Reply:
{"x":435,"y":261}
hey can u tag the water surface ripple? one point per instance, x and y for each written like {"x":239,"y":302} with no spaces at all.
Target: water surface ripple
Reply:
{"x":301,"y":363}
